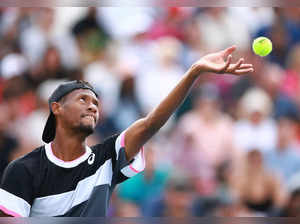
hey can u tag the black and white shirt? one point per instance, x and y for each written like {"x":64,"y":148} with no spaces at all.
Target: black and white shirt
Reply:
{"x":40,"y":184}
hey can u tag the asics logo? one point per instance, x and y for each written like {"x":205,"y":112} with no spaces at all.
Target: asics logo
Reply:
{"x":91,"y":159}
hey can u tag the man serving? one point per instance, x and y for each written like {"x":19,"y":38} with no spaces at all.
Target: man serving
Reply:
{"x":67,"y":178}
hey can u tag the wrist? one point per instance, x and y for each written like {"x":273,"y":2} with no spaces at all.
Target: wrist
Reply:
{"x":195,"y":70}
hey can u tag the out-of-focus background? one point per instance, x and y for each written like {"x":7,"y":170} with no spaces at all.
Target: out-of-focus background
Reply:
{"x":231,"y":149}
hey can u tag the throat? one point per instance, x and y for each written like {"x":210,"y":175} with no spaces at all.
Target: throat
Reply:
{"x":67,"y":145}
{"x":68,"y":151}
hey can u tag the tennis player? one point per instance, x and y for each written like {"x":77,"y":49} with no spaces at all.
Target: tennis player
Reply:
{"x":67,"y":178}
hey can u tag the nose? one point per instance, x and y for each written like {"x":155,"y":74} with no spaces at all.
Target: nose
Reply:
{"x":93,"y":108}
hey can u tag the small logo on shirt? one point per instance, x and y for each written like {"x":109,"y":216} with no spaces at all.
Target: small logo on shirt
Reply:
{"x":91,"y":159}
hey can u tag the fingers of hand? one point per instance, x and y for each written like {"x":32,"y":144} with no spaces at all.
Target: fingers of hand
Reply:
{"x":245,"y":66}
{"x":227,"y":65}
{"x":229,"y":51}
{"x":233,"y":67}
{"x":242,"y":71}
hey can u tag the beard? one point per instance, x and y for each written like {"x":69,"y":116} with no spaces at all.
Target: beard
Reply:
{"x":85,"y":129}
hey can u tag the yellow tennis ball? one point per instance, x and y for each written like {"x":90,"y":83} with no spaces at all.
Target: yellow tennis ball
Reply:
{"x":262,"y":46}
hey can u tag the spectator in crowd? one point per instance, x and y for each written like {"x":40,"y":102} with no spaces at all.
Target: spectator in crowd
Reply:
{"x":218,"y":29}
{"x":8,"y":141}
{"x":222,"y":200}
{"x":123,"y":208}
{"x":284,"y":33}
{"x":32,"y":125}
{"x":292,"y":207}
{"x":155,"y":82}
{"x":14,"y":63}
{"x":91,"y":36}
{"x":256,"y":187}
{"x":146,"y":185}
{"x":285,"y":158}
{"x":271,"y":82}
{"x":52,"y":65}
{"x":292,"y":15}
{"x":255,"y":128}
{"x":34,"y":40}
{"x":193,"y":46}
{"x":128,"y":108}
{"x":203,"y":138}
{"x":169,"y":24}
{"x":177,"y":199}
{"x":49,"y":67}
{"x":280,"y":36}
{"x":245,"y":83}
{"x":90,"y":23}
{"x":291,"y":82}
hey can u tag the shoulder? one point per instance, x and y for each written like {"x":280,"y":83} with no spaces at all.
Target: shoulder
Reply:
{"x":28,"y":162}
{"x":31,"y":157}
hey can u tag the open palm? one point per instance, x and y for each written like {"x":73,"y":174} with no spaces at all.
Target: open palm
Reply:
{"x":220,"y":62}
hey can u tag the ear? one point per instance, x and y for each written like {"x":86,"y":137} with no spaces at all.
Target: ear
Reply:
{"x":56,"y":108}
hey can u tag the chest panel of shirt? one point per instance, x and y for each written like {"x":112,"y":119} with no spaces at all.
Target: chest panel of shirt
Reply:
{"x":59,"y":204}
{"x":55,"y":180}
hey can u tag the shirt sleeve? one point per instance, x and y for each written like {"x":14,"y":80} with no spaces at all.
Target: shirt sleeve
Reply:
{"x":16,"y":190}
{"x":123,"y":169}
{"x":129,"y":169}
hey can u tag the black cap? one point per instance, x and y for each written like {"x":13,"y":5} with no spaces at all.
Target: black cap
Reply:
{"x":57,"y":95}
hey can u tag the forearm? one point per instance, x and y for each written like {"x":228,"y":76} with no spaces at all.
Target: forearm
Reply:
{"x":142,"y":130}
{"x":160,"y":114}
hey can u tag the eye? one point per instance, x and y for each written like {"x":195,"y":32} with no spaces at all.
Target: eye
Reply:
{"x":82,"y":99}
{"x":95,"y":103}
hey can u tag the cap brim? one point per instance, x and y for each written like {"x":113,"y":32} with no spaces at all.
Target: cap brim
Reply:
{"x":49,"y":129}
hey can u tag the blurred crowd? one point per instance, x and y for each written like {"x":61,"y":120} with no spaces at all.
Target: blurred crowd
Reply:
{"x":232,"y":149}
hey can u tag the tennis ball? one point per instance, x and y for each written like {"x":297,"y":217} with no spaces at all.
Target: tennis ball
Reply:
{"x":262,"y":46}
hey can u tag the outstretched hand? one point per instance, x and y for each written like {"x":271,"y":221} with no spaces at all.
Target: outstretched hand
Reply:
{"x":220,"y":62}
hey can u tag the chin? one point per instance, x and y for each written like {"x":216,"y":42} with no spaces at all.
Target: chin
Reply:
{"x":87,"y":129}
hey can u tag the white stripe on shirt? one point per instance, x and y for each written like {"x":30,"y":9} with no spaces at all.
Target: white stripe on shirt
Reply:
{"x":13,"y":205}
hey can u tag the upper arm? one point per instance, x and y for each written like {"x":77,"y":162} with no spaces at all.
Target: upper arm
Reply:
{"x":135,"y":137}
{"x":16,"y":194}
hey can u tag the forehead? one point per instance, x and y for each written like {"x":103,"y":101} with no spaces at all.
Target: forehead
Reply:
{"x":80,"y":92}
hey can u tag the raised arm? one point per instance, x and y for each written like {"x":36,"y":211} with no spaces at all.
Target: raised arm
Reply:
{"x":143,"y":129}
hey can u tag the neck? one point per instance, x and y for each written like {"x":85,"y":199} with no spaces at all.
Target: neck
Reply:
{"x":68,"y":146}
